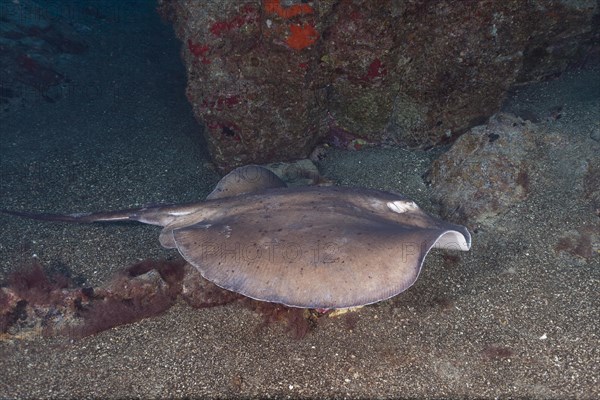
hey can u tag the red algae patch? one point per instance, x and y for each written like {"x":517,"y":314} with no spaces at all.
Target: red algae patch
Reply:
{"x":35,"y":303}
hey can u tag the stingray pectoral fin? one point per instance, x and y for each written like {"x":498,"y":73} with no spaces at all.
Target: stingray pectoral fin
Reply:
{"x":458,"y":238}
{"x":246,"y":179}
{"x":166,"y":239}
{"x":327,"y":261}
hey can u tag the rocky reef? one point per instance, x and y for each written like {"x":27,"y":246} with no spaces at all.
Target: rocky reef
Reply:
{"x":271,"y":79}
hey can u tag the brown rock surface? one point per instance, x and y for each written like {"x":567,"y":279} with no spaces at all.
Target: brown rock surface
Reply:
{"x":492,"y":169}
{"x":270,"y":80}
{"x":486,"y":170}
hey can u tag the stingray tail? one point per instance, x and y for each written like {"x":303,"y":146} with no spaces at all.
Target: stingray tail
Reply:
{"x":79,"y":218}
{"x":153,"y":215}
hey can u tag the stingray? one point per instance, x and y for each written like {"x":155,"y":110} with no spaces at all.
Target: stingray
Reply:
{"x":309,"y":247}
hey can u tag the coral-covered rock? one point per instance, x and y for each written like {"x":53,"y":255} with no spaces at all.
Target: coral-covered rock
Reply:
{"x":270,"y":79}
{"x":249,"y":80}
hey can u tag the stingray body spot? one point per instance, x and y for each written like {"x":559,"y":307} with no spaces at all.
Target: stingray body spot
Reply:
{"x":402,"y":206}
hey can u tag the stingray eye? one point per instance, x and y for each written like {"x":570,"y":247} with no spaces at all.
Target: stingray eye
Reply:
{"x":402,"y":206}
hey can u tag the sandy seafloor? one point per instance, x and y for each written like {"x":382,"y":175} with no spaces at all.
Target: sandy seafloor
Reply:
{"x":511,"y":319}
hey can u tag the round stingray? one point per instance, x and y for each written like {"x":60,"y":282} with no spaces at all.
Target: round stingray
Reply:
{"x":316,"y":247}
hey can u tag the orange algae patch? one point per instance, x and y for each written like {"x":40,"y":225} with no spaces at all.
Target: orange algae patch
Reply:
{"x":302,"y":36}
{"x":274,"y":7}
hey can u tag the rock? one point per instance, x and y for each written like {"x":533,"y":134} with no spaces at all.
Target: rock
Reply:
{"x":485,"y":171}
{"x":248,"y":81}
{"x":125,"y":287}
{"x":270,"y":79}
{"x":36,"y":46}
{"x":36,"y":304}
{"x":297,"y":173}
